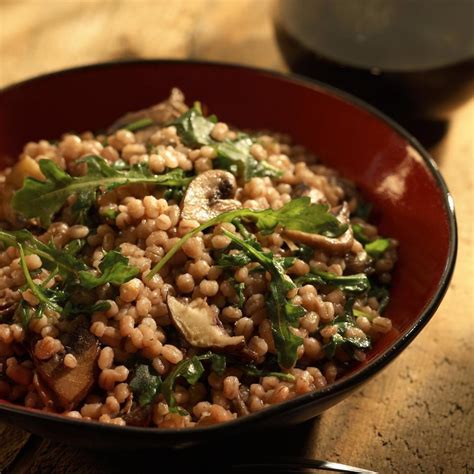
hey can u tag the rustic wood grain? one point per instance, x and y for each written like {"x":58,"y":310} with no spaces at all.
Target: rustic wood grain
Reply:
{"x":414,"y":417}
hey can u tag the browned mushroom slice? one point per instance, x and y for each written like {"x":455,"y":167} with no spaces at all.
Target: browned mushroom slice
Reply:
{"x":160,"y":113}
{"x":337,"y":246}
{"x":358,"y":263}
{"x":209,"y":195}
{"x":238,"y":402}
{"x":69,"y":386}
{"x":200,"y":326}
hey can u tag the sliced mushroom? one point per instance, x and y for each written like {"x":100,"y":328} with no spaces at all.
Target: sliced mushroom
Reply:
{"x":358,"y":263}
{"x":238,"y":402}
{"x":337,"y":246}
{"x":160,"y":113}
{"x":314,"y":194}
{"x":209,"y":195}
{"x":200,"y":326}
{"x":67,"y":387}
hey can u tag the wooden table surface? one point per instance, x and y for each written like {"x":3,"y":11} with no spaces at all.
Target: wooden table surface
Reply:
{"x":416,"y":416}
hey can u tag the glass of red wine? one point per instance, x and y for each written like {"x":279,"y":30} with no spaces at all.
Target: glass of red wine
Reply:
{"x":412,"y":59}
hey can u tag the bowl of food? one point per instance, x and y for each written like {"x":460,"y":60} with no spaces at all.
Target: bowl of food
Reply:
{"x":240,"y":259}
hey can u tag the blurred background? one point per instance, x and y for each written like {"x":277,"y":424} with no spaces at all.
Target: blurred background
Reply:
{"x":424,"y":400}
{"x":414,"y":59}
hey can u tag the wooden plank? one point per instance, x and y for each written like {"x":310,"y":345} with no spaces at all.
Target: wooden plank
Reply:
{"x":12,"y":441}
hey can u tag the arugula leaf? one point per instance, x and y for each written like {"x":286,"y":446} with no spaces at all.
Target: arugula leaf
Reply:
{"x":356,"y":283}
{"x":344,"y":322}
{"x":110,"y":214}
{"x":145,"y":385}
{"x":192,"y":370}
{"x":218,"y":361}
{"x":36,"y":289}
{"x":304,"y":252}
{"x":377,"y":247}
{"x":235,"y":156}
{"x":231,"y":260}
{"x":382,"y":295}
{"x":139,"y":124}
{"x":71,"y":309}
{"x":43,"y":199}
{"x":239,"y":289}
{"x":298,"y":214}
{"x":252,"y":370}
{"x":359,"y":234}
{"x":23,"y":314}
{"x":51,"y":256}
{"x":193,"y":128}
{"x":283,"y":314}
{"x":115,"y":270}
{"x":115,"y":267}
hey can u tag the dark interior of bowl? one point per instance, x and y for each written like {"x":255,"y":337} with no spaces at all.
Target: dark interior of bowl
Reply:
{"x":410,"y":200}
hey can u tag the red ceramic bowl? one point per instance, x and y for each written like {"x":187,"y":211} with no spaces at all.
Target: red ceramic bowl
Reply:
{"x":393,"y":171}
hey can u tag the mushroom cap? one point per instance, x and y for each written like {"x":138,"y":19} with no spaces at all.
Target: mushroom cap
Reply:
{"x":337,"y":246}
{"x":210,"y":194}
{"x":161,"y":113}
{"x":67,"y":387}
{"x":199,"y":325}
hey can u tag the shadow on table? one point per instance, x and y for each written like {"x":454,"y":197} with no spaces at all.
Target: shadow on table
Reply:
{"x":51,"y":457}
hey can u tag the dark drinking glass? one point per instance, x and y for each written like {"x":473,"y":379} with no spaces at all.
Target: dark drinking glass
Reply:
{"x":413,"y":59}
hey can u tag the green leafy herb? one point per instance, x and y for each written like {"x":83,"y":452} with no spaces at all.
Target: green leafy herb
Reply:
{"x":233,"y":155}
{"x":37,"y":290}
{"x":343,"y":323}
{"x":360,"y":234}
{"x":239,"y":288}
{"x":298,"y":214}
{"x":304,"y":252}
{"x":115,"y":270}
{"x":283,"y":314}
{"x":377,"y":247}
{"x":23,"y":314}
{"x":356,"y":283}
{"x":191,"y":370}
{"x":193,"y":128}
{"x":382,"y":295}
{"x":252,"y":370}
{"x":110,"y":214}
{"x":145,"y":385}
{"x":71,"y":309}
{"x":43,"y":199}
{"x":139,"y":124}
{"x":231,"y":260}
{"x":115,"y":267}
{"x":52,"y":257}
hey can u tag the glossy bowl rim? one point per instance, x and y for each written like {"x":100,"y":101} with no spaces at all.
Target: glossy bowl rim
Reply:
{"x":341,"y":386}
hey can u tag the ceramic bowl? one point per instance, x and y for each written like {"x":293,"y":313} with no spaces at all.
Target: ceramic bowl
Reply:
{"x":393,"y":171}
